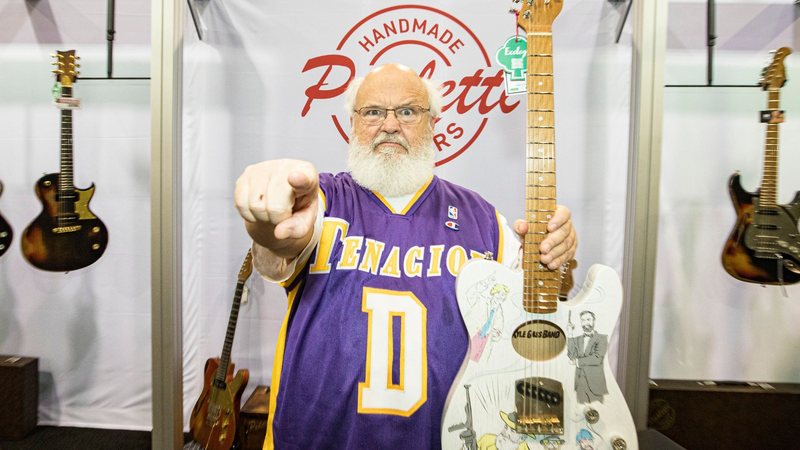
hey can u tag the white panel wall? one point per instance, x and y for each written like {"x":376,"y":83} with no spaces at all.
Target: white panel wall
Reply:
{"x":89,"y":328}
{"x":708,"y":325}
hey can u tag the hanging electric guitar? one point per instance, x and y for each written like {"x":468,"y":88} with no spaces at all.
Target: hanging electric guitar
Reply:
{"x":536,"y":373}
{"x":66,"y":235}
{"x":764,"y":246}
{"x":216,"y":413}
{"x":5,"y":231}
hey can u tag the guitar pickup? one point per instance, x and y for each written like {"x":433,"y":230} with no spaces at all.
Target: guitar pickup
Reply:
{"x":69,"y":229}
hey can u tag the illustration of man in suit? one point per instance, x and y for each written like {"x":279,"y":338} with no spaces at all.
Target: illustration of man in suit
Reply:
{"x":587,"y":351}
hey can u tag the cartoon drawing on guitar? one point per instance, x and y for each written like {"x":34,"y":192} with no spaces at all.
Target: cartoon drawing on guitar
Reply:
{"x":536,"y":374}
{"x":546,"y":382}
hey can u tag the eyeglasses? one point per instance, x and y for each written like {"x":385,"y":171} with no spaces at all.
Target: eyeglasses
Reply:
{"x":407,"y":115}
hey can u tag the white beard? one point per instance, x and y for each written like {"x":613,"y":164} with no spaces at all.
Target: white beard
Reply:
{"x":390,"y":172}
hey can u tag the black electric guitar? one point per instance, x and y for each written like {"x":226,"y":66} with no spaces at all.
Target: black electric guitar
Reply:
{"x":536,"y":373}
{"x":213,"y":423}
{"x":764,"y":246}
{"x":6,"y":234}
{"x":66,"y":235}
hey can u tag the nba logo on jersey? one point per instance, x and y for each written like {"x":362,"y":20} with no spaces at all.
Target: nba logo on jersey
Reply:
{"x":452,"y":212}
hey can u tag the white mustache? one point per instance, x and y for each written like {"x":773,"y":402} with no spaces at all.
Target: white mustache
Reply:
{"x":386,"y":137}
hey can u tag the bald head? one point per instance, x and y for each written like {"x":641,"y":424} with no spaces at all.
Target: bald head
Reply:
{"x":396,"y":77}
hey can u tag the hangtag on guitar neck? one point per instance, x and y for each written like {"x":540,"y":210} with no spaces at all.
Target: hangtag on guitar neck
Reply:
{"x":772,"y":116}
{"x":67,"y":103}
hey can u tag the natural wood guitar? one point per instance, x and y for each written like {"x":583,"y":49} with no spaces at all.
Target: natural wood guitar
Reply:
{"x":6,"y":233}
{"x":66,"y":235}
{"x":764,"y":245}
{"x":213,"y":423}
{"x":536,"y":373}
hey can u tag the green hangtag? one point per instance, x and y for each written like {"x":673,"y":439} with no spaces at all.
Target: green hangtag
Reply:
{"x":512,"y":56}
{"x":56,"y":91}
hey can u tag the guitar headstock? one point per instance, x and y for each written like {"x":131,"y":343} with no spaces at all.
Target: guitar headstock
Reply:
{"x":774,"y":75}
{"x":66,"y":67}
{"x":538,"y":15}
{"x":247,"y":267}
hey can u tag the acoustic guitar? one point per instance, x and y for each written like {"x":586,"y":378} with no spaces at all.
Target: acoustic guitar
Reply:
{"x":213,"y":423}
{"x":536,"y":373}
{"x":764,"y":245}
{"x":66,"y":235}
{"x":6,"y":234}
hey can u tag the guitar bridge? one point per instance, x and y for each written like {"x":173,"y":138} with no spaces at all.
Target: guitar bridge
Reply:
{"x":69,"y":229}
{"x":540,"y":407}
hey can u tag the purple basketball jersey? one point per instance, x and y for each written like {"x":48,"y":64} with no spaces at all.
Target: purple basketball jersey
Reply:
{"x":374,"y":337}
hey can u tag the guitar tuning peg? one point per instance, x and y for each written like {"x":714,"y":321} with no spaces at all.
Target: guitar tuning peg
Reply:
{"x":513,"y":11}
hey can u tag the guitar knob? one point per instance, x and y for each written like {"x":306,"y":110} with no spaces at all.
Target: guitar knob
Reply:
{"x":3,"y":234}
{"x":592,"y":416}
{"x":619,"y":444}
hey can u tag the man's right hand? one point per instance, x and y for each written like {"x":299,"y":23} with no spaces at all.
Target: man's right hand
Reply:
{"x":278,"y":201}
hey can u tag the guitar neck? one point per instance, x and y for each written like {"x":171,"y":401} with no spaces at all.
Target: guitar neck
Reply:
{"x":65,"y":180}
{"x":542,"y":285}
{"x":225,"y":358}
{"x":769,"y":181}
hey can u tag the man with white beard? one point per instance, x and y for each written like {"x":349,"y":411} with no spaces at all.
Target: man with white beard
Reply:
{"x":373,"y":337}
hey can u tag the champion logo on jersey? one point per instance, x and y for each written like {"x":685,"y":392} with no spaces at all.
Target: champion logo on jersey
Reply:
{"x":452,"y":225}
{"x":452,"y":212}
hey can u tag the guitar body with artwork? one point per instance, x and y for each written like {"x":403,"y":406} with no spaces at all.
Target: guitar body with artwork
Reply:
{"x":536,"y":374}
{"x":66,"y":235}
{"x":536,"y":378}
{"x":764,"y":245}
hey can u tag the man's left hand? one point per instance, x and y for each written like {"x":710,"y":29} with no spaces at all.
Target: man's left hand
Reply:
{"x":561,"y":242}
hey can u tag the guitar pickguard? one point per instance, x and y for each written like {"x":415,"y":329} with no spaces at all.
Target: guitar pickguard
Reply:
{"x":542,"y":380}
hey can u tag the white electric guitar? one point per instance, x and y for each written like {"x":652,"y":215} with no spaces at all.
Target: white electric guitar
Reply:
{"x":536,"y":374}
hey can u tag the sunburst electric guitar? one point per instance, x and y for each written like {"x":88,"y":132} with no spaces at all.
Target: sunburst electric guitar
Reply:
{"x":66,"y":235}
{"x":536,"y":373}
{"x":216,"y":413}
{"x":764,"y":246}
{"x":6,"y":234}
